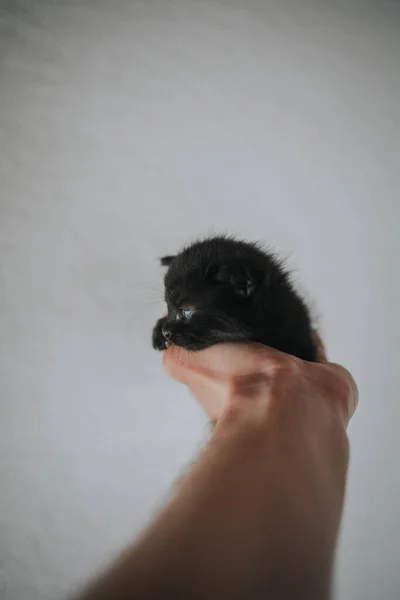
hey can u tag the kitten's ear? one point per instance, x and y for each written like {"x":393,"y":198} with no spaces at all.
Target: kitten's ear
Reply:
{"x":238,"y":277}
{"x":166,"y":260}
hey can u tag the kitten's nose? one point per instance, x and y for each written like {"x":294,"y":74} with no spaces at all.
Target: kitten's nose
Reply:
{"x":166,"y":331}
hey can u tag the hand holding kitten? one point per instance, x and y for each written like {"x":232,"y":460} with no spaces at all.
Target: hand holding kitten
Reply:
{"x":235,"y":379}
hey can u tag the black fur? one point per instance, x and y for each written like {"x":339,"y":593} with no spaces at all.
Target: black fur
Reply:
{"x":232,"y":291}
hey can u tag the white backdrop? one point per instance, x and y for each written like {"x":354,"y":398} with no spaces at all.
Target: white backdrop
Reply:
{"x":126,"y":129}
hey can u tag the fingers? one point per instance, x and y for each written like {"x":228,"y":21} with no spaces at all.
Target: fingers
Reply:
{"x":224,"y":359}
{"x":193,"y":370}
{"x":175,"y":361}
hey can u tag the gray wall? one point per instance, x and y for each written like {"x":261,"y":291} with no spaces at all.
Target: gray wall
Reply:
{"x":127,"y":128}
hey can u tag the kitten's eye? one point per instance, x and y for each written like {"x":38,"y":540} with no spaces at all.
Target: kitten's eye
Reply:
{"x":186,"y":313}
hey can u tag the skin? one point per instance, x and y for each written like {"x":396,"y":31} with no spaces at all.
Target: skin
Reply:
{"x":257,"y":516}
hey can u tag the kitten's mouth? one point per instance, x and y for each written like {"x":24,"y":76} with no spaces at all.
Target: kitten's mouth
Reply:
{"x":188,"y":344}
{"x":192,"y":345}
{"x":193,"y":342}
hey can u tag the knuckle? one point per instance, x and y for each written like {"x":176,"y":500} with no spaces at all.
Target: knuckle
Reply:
{"x":245,"y":385}
{"x":283,"y":366}
{"x":275,"y":370}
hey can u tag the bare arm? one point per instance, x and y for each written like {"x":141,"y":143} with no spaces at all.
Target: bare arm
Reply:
{"x":258,"y":515}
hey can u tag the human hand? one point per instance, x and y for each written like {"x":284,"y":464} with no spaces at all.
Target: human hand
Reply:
{"x":223,"y":377}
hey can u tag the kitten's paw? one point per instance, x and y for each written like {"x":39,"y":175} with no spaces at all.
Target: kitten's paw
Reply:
{"x":159,"y":341}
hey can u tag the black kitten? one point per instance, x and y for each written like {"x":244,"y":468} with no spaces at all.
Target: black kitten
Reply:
{"x":225,"y":290}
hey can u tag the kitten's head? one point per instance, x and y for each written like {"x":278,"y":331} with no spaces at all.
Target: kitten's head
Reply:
{"x":211,"y":289}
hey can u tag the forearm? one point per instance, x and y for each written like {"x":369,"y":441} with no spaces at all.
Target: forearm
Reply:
{"x":257,"y":517}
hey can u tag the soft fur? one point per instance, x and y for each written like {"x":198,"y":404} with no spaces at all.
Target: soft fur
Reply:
{"x":232,"y":291}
